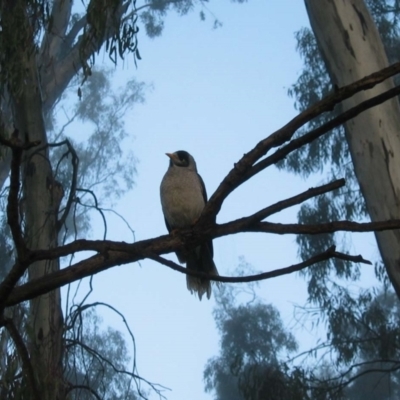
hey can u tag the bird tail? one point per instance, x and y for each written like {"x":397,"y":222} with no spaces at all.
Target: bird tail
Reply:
{"x":200,"y":260}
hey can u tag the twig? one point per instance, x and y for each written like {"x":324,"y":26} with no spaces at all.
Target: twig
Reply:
{"x":74,"y":182}
{"x":101,"y":359}
{"x":96,"y":206}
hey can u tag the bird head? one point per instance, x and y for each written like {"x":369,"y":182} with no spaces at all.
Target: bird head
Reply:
{"x":181,"y":158}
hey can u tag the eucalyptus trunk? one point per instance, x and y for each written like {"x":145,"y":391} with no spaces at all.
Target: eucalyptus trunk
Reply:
{"x":40,"y":200}
{"x":352,"y":48}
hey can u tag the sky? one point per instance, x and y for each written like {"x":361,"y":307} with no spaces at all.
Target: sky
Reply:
{"x":215,"y":93}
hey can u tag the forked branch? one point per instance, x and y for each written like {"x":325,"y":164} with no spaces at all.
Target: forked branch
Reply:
{"x":110,"y":253}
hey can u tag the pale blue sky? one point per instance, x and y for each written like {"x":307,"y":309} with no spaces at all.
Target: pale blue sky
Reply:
{"x":216,"y":94}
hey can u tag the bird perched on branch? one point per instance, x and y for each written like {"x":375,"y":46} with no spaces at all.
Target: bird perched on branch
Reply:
{"x":183,"y":197}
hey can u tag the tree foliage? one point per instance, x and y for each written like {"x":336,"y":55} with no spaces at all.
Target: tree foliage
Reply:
{"x":257,"y":358}
{"x":252,"y":345}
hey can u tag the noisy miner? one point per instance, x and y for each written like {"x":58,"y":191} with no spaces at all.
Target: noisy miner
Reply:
{"x":183,"y":197}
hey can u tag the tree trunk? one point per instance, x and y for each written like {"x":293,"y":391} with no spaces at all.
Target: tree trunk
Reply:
{"x":352,"y":48}
{"x":39,"y":197}
{"x":41,"y":233}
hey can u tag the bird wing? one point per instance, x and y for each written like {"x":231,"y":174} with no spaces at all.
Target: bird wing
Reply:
{"x":167,"y":225}
{"x":209,"y":244}
{"x":203,"y":188}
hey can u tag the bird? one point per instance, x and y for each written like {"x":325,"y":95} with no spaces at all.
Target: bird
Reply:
{"x":183,"y":197}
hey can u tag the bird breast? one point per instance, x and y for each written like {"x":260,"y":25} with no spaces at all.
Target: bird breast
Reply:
{"x":181,"y":197}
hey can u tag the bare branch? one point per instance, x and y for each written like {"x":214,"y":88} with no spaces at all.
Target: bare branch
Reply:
{"x":110,"y":253}
{"x":328,"y":227}
{"x":241,"y":171}
{"x":72,"y":190}
{"x":100,"y":263}
{"x":119,"y":253}
{"x":318,"y":132}
{"x":292,"y":201}
{"x":78,"y":310}
{"x":95,"y":206}
{"x":19,"y":268}
{"x":24,"y":355}
{"x":102,"y":359}
{"x":326,"y":255}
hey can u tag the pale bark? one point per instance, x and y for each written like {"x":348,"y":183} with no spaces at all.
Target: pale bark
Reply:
{"x":352,"y":48}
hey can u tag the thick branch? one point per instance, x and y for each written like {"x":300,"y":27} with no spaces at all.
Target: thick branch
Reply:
{"x":241,"y":171}
{"x":58,"y":77}
{"x":70,"y":274}
{"x":73,"y":33}
{"x":55,"y":35}
{"x":128,"y":253}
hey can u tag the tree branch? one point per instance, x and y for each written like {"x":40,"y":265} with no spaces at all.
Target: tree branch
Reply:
{"x":19,"y":268}
{"x":55,"y":33}
{"x":292,"y":201}
{"x":321,"y":130}
{"x":110,"y":253}
{"x":119,"y":253}
{"x":72,"y":189}
{"x":328,"y":227}
{"x":24,"y":355}
{"x":100,"y":263}
{"x":241,"y":171}
{"x":105,"y":360}
{"x":56,"y":79}
{"x":326,"y":255}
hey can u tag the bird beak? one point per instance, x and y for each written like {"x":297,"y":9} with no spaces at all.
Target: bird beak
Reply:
{"x":173,"y":157}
